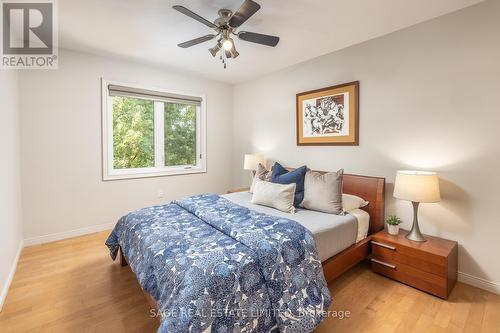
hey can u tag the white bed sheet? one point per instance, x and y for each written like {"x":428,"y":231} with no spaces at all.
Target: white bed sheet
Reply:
{"x":332,"y":233}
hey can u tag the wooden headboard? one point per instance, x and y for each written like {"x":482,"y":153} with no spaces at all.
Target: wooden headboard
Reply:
{"x":372,"y":189}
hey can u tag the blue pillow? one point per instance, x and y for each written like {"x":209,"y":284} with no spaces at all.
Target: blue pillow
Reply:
{"x":281,"y":175}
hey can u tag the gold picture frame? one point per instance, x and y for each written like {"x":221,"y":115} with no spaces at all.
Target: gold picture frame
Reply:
{"x":329,"y":116}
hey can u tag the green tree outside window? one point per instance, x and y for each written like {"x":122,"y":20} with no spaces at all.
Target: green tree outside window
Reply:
{"x":180,"y":134}
{"x":134,"y":133}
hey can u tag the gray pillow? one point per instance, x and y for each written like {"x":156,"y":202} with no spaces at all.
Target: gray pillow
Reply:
{"x":260,"y":174}
{"x":273,"y":195}
{"x":323,"y":192}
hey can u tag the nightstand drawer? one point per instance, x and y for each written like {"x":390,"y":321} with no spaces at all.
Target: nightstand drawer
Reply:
{"x":396,"y":253}
{"x":431,"y":283}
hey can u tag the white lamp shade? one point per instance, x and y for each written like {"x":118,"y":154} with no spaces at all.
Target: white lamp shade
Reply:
{"x":417,"y":186}
{"x":252,"y":161}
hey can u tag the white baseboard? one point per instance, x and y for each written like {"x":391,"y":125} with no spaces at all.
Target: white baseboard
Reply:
{"x":5,"y":287}
{"x":479,"y":282}
{"x":67,"y":234}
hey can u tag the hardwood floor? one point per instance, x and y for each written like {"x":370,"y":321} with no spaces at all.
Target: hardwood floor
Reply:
{"x":73,"y":286}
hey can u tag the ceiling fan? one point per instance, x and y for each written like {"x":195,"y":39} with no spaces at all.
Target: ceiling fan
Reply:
{"x":225,"y":27}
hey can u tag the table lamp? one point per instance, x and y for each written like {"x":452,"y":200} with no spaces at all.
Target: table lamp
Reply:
{"x":252,"y":161}
{"x":417,"y":187}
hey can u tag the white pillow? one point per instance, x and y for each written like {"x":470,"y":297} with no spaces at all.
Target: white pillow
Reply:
{"x":274,"y":195}
{"x":350,"y":202}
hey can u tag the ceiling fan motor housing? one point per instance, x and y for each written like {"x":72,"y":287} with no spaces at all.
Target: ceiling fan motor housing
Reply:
{"x":224,"y":16}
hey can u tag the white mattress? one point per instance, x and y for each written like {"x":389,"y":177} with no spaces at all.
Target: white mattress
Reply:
{"x":332,"y":233}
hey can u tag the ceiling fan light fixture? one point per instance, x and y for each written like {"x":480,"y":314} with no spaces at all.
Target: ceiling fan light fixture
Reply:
{"x":234,"y":53}
{"x":214,"y":50}
{"x":228,"y":44}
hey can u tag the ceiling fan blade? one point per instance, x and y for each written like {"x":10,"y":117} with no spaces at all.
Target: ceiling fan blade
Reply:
{"x":247,"y":9}
{"x":196,"y":41}
{"x":259,"y":38}
{"x":195,"y":16}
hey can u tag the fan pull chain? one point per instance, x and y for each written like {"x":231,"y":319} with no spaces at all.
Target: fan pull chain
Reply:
{"x":224,"y":59}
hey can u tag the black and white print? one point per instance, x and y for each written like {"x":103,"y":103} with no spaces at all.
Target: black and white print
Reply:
{"x":326,"y":116}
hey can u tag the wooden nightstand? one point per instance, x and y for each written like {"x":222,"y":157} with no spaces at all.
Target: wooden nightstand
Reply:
{"x":430,"y":266}
{"x":243,"y":189}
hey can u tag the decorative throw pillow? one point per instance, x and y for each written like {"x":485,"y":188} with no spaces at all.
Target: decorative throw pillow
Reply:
{"x":350,"y":202}
{"x":323,"y":192}
{"x":274,"y":195}
{"x":281,"y":175}
{"x":260,"y":174}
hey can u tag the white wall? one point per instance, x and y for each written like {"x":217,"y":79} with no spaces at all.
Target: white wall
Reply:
{"x":10,"y":184}
{"x":61,"y":146}
{"x":430,"y":99}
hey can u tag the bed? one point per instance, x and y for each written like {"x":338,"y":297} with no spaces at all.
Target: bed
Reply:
{"x":269,"y":261}
{"x":344,"y":257}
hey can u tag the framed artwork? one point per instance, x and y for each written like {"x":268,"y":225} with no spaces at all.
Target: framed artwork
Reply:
{"x":329,"y":116}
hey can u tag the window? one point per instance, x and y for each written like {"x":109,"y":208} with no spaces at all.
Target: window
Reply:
{"x":149,"y":132}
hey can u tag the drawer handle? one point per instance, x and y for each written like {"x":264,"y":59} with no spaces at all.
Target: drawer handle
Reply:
{"x":384,"y":245}
{"x":383,"y":263}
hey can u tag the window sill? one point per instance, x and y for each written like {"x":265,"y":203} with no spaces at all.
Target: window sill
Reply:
{"x":137,"y":174}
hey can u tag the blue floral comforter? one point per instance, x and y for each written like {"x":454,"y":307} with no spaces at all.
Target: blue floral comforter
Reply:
{"x":212,"y":265}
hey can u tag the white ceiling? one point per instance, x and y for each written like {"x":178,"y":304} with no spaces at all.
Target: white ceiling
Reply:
{"x":149,"y":30}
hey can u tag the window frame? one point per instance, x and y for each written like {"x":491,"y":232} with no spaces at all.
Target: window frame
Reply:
{"x":159,"y":170}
